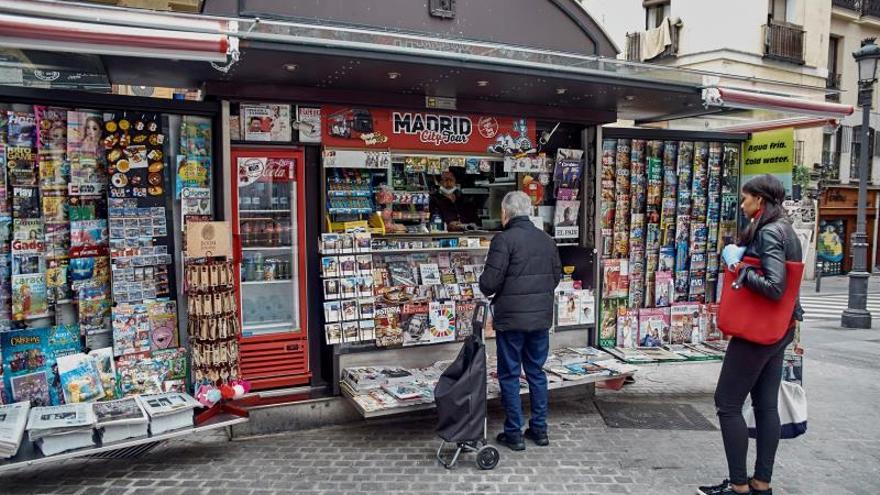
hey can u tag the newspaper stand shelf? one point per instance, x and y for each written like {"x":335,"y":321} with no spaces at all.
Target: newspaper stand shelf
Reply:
{"x":29,"y":455}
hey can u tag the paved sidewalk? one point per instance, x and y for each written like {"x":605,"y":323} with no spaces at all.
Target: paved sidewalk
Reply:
{"x":839,"y":455}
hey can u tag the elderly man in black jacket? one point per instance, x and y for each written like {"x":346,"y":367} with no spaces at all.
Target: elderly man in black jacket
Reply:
{"x":522,"y":271}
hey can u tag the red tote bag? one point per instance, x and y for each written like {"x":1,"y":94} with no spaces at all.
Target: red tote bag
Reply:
{"x":753,"y":317}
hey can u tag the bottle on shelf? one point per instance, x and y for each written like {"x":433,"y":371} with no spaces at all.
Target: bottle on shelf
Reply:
{"x":246,"y":233}
{"x":258,"y":266}
{"x":285,"y":239}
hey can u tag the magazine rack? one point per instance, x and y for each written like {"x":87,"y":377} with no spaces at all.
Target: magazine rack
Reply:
{"x":29,"y":454}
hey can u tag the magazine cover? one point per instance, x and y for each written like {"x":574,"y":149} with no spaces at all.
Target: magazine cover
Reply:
{"x":608,"y":324}
{"x":266,"y":122}
{"x":88,"y":233}
{"x":80,"y":379}
{"x":709,"y":323}
{"x":29,"y":360}
{"x":664,"y":288}
{"x":85,"y":150}
{"x":309,"y":124}
{"x":162,"y":316}
{"x":414,"y":324}
{"x":653,"y":327}
{"x":430,"y":273}
{"x":194,"y":159}
{"x":615,"y":279}
{"x":131,"y":329}
{"x":586,"y":307}
{"x":685,"y":324}
{"x":94,"y":303}
{"x":464,"y":319}
{"x":567,"y":173}
{"x":442,"y":319}
{"x":388,"y":331}
{"x":29,"y":297}
{"x":26,"y":202}
{"x":52,"y":146}
{"x":106,"y":366}
{"x":21,"y":129}
{"x":567,"y":313}
{"x":21,"y":166}
{"x":627,"y":328}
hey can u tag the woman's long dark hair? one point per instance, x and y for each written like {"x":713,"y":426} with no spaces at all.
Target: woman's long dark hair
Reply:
{"x":771,"y":189}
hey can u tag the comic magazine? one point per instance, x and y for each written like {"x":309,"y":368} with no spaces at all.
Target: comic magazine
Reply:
{"x":106,"y":366}
{"x":80,"y":379}
{"x":131,"y":329}
{"x":29,"y":361}
{"x":88,"y":233}
{"x":653,"y":327}
{"x":29,"y":296}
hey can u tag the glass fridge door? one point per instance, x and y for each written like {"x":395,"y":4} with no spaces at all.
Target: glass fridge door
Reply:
{"x":267,"y":229}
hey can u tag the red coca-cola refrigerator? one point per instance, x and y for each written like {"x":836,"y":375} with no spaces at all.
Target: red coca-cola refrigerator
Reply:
{"x":268,"y":218}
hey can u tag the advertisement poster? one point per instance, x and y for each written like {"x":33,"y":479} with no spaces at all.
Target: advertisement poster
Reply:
{"x":830,"y":246}
{"x":770,"y":152}
{"x":194,"y":160}
{"x":266,"y":123}
{"x":309,"y":124}
{"x":435,"y":131}
{"x":85,"y":152}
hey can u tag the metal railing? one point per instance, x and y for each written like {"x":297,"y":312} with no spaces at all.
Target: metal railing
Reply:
{"x":861,"y":7}
{"x":634,"y":46}
{"x":831,"y":165}
{"x":784,"y":41}
{"x":832,"y":82}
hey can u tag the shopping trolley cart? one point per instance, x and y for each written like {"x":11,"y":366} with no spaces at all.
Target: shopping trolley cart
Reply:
{"x":460,"y":396}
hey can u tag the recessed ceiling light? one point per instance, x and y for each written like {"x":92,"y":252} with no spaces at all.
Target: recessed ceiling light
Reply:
{"x":629,"y":97}
{"x":482,"y":83}
{"x":561,"y":91}
{"x":290,"y":67}
{"x":393,"y":75}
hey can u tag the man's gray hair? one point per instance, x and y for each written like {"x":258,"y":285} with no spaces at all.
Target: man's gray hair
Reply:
{"x":516,"y":204}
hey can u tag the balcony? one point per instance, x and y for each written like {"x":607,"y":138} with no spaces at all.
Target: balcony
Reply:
{"x":860,"y":7}
{"x":784,"y":41}
{"x":832,"y":82}
{"x":634,"y":44}
{"x":831,"y":165}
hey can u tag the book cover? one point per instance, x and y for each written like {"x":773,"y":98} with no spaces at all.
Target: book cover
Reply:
{"x":685,"y":323}
{"x":442,"y":320}
{"x":653,"y":327}
{"x":627,"y":328}
{"x":430,"y":273}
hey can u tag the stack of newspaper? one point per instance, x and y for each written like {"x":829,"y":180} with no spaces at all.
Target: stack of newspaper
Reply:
{"x":121,"y":419}
{"x":57,"y":429}
{"x":13,"y":421}
{"x":168,"y":412}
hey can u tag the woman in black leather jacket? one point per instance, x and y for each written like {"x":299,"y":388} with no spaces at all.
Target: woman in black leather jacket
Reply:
{"x":751,"y":368}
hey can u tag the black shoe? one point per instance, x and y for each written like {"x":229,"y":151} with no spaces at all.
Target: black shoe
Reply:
{"x":539,"y":437}
{"x":755,"y":491}
{"x":511,"y":442}
{"x":723,"y":489}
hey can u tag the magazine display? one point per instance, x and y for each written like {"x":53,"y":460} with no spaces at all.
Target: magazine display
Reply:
{"x":13,"y":421}
{"x":667,"y":208}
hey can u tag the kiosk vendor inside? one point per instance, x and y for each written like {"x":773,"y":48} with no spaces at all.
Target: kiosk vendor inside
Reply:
{"x":456,"y":210}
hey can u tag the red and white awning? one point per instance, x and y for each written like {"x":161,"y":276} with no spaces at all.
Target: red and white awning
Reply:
{"x":739,"y":99}
{"x":25,"y":32}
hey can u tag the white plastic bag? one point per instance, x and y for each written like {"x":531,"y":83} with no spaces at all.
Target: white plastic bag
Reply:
{"x":792,"y":411}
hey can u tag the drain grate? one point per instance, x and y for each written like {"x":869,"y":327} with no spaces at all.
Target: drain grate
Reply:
{"x":652,"y":416}
{"x":127,"y":453}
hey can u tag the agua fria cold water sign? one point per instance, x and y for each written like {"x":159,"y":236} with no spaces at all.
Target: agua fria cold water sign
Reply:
{"x":770,"y":152}
{"x":426,"y":131}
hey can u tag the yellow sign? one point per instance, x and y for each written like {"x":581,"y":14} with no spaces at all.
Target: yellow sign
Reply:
{"x":770,"y":152}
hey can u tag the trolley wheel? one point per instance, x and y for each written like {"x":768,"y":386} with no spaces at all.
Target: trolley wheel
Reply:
{"x":488,"y":457}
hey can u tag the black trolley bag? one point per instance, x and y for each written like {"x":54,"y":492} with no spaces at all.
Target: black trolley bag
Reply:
{"x":460,"y":397}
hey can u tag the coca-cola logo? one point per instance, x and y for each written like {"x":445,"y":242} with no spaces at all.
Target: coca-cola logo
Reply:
{"x":251,"y":170}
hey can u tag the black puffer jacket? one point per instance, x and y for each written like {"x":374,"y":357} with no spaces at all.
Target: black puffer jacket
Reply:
{"x":522,"y":271}
{"x":774,"y":244}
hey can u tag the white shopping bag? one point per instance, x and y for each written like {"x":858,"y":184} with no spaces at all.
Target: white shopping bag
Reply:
{"x":792,"y":411}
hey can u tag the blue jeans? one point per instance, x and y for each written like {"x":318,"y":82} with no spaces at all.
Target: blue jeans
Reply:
{"x":527,"y":351}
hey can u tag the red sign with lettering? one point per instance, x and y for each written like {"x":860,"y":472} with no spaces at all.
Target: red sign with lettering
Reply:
{"x":262,"y":169}
{"x":428,"y":130}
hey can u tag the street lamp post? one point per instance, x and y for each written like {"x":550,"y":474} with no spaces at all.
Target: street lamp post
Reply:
{"x":856,"y":315}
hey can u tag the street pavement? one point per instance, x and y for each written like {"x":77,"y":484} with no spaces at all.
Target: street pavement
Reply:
{"x":840,"y":454}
